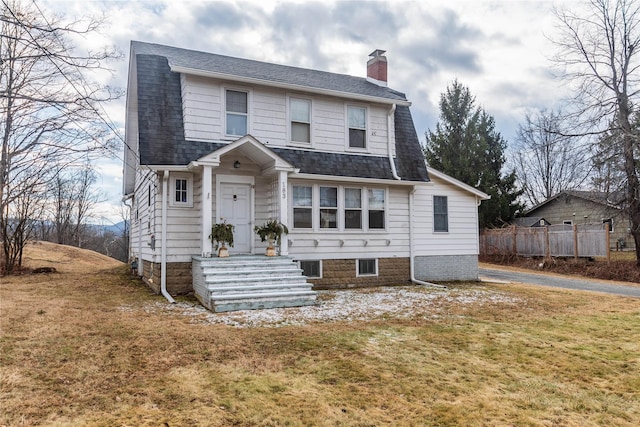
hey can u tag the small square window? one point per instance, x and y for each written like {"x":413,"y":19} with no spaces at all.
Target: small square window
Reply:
{"x":367,"y":267}
{"x":311,"y":269}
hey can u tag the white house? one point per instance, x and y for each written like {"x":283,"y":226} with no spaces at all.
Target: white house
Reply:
{"x":334,"y":157}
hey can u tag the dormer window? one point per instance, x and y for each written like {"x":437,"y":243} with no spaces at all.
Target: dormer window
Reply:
{"x":237,"y":112}
{"x":357,"y":119}
{"x":300,"y":113}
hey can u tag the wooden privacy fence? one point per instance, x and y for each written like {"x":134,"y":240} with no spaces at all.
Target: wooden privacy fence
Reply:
{"x":580,"y":240}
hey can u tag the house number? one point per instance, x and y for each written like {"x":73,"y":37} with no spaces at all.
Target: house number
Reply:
{"x":284,"y":191}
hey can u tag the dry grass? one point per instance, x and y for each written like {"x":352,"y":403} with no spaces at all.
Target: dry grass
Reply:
{"x":70,"y":355}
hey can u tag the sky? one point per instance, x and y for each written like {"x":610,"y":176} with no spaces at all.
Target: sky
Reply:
{"x":500,"y":50}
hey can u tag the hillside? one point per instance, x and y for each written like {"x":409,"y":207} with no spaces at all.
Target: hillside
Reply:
{"x":65,"y":259}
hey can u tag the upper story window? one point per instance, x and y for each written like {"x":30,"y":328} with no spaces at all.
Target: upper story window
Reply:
{"x":376,"y":208}
{"x":302,"y":206}
{"x":181,"y":190}
{"x":300,"y":112}
{"x":440,"y":214}
{"x":236,"y":112}
{"x":357,"y":119}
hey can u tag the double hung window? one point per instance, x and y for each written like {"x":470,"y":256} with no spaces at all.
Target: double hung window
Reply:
{"x":376,"y":208}
{"x":300,"y":112}
{"x":302,"y":206}
{"x":352,"y":208}
{"x":440,"y":214}
{"x":357,"y":118}
{"x":237,"y":112}
{"x":328,"y":207}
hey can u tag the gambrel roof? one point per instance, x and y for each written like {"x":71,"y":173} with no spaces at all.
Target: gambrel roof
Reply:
{"x":160,"y":122}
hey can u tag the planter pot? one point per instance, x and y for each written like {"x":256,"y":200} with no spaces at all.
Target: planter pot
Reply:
{"x":271,"y":251}
{"x":223,"y":252}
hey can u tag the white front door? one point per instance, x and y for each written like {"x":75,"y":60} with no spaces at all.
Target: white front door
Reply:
{"x":236,"y":210}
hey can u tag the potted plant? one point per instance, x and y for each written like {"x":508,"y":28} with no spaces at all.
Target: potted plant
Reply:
{"x":271,"y":231}
{"x":222,"y":233}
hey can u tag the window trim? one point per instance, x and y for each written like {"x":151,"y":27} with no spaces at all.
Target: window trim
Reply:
{"x":367,"y":144}
{"x":319,"y":261}
{"x":361,"y":209}
{"x":290,"y":140}
{"x":377,"y":272}
{"x":225,"y":134}
{"x":434,"y":214}
{"x":341,"y":226}
{"x":172,"y":190}
{"x":294,"y":207}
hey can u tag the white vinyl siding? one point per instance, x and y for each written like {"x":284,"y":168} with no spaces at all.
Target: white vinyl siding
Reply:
{"x":268,"y":117}
{"x":462,"y":210}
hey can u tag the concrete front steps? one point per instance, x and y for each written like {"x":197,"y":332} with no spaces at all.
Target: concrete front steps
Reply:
{"x":250,"y":282}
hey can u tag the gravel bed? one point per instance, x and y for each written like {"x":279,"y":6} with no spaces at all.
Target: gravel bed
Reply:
{"x":342,"y":305}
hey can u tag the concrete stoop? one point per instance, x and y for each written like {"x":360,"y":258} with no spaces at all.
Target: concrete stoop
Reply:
{"x":250,"y":282}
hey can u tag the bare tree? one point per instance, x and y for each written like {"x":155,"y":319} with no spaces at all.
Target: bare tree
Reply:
{"x":50,"y":112}
{"x":71,"y":199}
{"x":547,"y":160}
{"x":598,"y":49}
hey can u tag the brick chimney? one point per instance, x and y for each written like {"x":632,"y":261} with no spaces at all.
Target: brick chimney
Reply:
{"x":377,"y":68}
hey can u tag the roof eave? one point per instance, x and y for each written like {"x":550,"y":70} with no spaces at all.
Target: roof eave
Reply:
{"x":288,"y":86}
{"x":357,"y":179}
{"x":436,"y":173}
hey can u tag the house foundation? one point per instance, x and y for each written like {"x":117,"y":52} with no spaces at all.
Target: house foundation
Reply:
{"x":441,"y":268}
{"x":341,"y":274}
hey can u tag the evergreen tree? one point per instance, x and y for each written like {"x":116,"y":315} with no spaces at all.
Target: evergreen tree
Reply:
{"x":466,"y":146}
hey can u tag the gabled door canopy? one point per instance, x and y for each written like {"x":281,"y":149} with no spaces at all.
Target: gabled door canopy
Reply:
{"x":251,"y":148}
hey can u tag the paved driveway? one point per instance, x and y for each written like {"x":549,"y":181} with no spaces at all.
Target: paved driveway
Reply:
{"x":566,"y":282}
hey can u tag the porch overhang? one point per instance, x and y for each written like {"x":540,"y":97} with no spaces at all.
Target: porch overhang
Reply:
{"x":264,"y":157}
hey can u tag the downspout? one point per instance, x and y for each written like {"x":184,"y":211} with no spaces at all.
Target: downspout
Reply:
{"x":390,"y":142}
{"x":411,"y":248}
{"x":163,"y":258}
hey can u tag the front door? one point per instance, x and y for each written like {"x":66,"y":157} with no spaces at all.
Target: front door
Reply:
{"x":236,"y":210}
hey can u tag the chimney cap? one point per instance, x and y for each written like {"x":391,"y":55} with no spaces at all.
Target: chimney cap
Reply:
{"x":377,"y":52}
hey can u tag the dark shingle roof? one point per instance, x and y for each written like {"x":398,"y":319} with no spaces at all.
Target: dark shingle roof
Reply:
{"x":265,"y":71}
{"x":162,"y":139}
